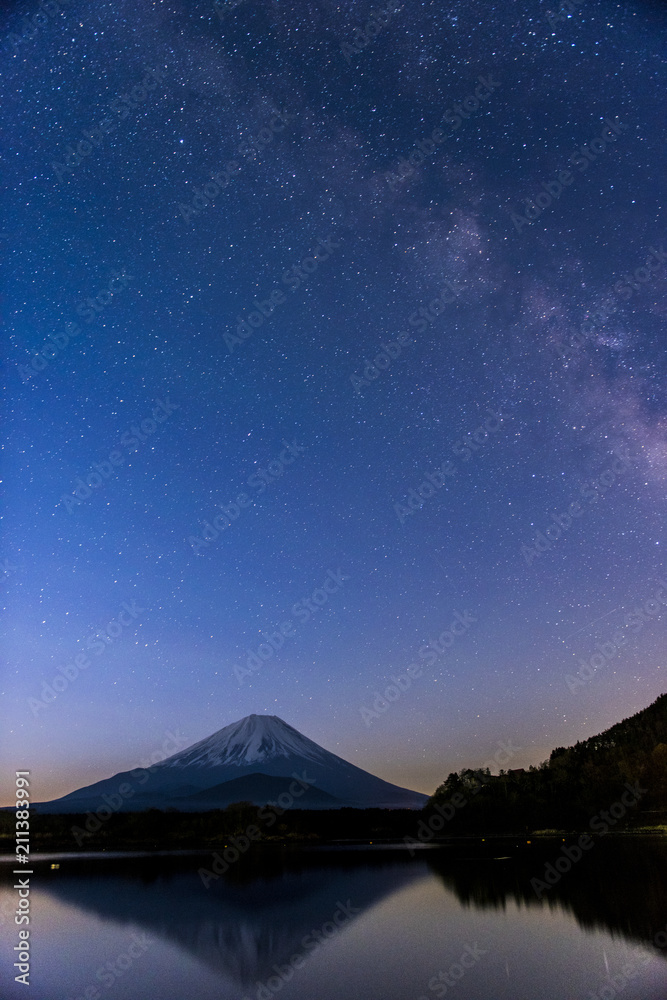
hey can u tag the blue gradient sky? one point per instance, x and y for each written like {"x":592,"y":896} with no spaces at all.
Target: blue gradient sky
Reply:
{"x":582,"y":413}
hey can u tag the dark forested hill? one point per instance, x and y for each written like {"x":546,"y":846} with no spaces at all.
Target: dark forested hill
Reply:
{"x":573,"y":786}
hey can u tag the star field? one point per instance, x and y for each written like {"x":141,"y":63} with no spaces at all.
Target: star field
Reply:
{"x":289,"y":299}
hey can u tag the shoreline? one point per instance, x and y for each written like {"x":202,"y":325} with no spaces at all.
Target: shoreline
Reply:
{"x":307,"y":847}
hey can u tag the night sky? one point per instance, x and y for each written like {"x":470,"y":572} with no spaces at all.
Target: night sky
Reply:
{"x":208,"y":445}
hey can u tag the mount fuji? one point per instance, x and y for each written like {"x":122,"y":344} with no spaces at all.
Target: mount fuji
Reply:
{"x":256,"y":759}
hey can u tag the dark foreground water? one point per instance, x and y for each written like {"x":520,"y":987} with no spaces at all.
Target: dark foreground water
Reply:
{"x":372,"y":925}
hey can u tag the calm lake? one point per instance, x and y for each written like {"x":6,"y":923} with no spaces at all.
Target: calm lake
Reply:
{"x":355,"y":924}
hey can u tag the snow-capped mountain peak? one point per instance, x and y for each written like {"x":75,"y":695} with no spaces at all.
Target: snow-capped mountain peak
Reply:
{"x":250,"y":741}
{"x":257,"y":759}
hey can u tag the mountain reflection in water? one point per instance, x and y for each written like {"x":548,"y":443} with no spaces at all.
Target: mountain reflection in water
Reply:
{"x":241,"y":927}
{"x":619,"y":886}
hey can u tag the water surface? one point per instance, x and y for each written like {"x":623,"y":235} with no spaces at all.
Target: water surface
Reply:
{"x":376,"y":925}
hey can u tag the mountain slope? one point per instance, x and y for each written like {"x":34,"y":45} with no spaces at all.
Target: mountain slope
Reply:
{"x":259,"y":789}
{"x":256,"y":745}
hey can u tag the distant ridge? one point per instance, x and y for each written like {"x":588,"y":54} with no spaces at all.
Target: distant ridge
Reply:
{"x":259,"y":789}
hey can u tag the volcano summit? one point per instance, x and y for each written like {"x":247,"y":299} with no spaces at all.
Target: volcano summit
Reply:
{"x":255,"y":760}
